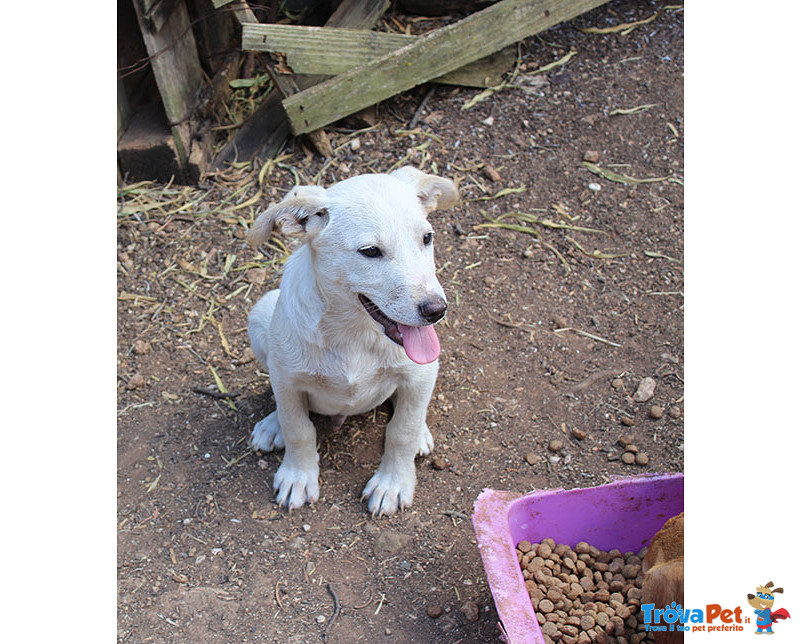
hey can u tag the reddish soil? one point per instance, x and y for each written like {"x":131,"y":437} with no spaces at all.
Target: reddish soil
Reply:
{"x":547,"y":337}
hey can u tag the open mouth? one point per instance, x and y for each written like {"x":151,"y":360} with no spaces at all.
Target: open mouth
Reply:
{"x":420,"y":343}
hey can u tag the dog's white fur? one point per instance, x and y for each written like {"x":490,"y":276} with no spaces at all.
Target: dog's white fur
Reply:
{"x":323,"y":351}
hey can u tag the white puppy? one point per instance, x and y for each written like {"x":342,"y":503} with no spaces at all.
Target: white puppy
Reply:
{"x":351,"y":325}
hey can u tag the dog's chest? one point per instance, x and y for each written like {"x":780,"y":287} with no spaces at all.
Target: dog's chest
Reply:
{"x":350,"y":391}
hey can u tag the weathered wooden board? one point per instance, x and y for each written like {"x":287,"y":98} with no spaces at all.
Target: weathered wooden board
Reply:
{"x":429,"y":57}
{"x":176,"y":67}
{"x":331,"y":51}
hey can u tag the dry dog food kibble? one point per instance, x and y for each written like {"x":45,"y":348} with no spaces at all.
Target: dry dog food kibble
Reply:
{"x":584,"y":594}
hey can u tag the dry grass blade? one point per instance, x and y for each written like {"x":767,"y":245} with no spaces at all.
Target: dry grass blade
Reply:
{"x":624,"y":29}
{"x":596,"y":254}
{"x":633,"y":110}
{"x":557,"y":63}
{"x":548,"y":223}
{"x":497,"y":195}
{"x":620,"y":178}
{"x":220,"y":385}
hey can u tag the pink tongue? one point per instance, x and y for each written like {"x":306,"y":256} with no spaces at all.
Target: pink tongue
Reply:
{"x":420,"y":342}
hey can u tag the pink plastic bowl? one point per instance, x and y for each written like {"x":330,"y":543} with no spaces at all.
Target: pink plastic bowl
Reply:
{"x":624,"y":514}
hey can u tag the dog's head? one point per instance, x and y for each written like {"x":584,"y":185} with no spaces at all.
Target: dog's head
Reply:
{"x":372,"y":248}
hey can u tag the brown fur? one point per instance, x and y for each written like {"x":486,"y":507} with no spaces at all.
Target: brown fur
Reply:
{"x":663,"y":567}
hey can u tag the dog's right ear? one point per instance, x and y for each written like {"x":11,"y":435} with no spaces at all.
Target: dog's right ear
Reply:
{"x":301,"y":211}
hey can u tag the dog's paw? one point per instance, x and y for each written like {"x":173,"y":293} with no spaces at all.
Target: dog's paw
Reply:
{"x":295,"y":485}
{"x":389,"y":492}
{"x":426,"y":442}
{"x":266,"y":435}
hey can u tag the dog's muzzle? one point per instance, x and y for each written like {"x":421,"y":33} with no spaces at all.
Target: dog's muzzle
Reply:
{"x":420,"y":343}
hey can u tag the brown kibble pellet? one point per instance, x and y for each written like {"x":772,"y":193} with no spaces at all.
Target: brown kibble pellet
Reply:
{"x":625,"y":440}
{"x":627,"y":421}
{"x":546,"y":606}
{"x":544,"y":550}
{"x":642,"y":459}
{"x":555,"y":445}
{"x":656,"y":411}
{"x":628,"y":458}
{"x":524,"y":546}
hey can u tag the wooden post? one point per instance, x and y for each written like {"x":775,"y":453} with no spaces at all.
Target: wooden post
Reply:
{"x":176,"y":66}
{"x":429,"y":57}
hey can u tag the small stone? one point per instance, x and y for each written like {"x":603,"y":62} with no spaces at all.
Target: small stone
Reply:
{"x":256,"y":276}
{"x":642,"y":459}
{"x":355,"y":144}
{"x":389,"y":543}
{"x":321,"y":619}
{"x":561,"y":322}
{"x":656,"y":411}
{"x":628,"y":458}
{"x":675,"y":412}
{"x":528,"y":253}
{"x":438,"y":463}
{"x":628,"y":421}
{"x":488,"y":121}
{"x":471,"y":611}
{"x":262,"y":464}
{"x":491,"y":174}
{"x":434,"y":611}
{"x":592,"y":156}
{"x":555,"y":445}
{"x":141,"y":347}
{"x":578,"y":433}
{"x":135,"y":381}
{"x":617,"y":383}
{"x":595,"y":187}
{"x":645,"y":390}
{"x":530,"y":458}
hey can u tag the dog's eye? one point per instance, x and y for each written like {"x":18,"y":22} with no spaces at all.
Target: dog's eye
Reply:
{"x":427,"y":238}
{"x":371,"y":251}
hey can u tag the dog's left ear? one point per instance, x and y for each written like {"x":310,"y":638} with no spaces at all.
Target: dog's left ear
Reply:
{"x":434,"y":192}
{"x":301,"y":211}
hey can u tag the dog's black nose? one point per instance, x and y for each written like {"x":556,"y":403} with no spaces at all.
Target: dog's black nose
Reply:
{"x":433,"y":309}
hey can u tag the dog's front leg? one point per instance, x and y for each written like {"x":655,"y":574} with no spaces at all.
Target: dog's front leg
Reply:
{"x":392,"y":487}
{"x":297,"y":480}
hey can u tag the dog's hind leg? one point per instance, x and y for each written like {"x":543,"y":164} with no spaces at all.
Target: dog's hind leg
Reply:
{"x":258,"y":326}
{"x":266,"y":435}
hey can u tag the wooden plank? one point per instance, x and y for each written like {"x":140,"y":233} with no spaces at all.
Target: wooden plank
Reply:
{"x":176,"y":67}
{"x":331,"y":51}
{"x":429,"y":57}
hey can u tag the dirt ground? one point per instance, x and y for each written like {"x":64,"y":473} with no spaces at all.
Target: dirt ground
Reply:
{"x":549,"y":332}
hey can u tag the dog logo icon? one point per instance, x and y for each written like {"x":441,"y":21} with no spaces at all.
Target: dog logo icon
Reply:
{"x":762,"y":601}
